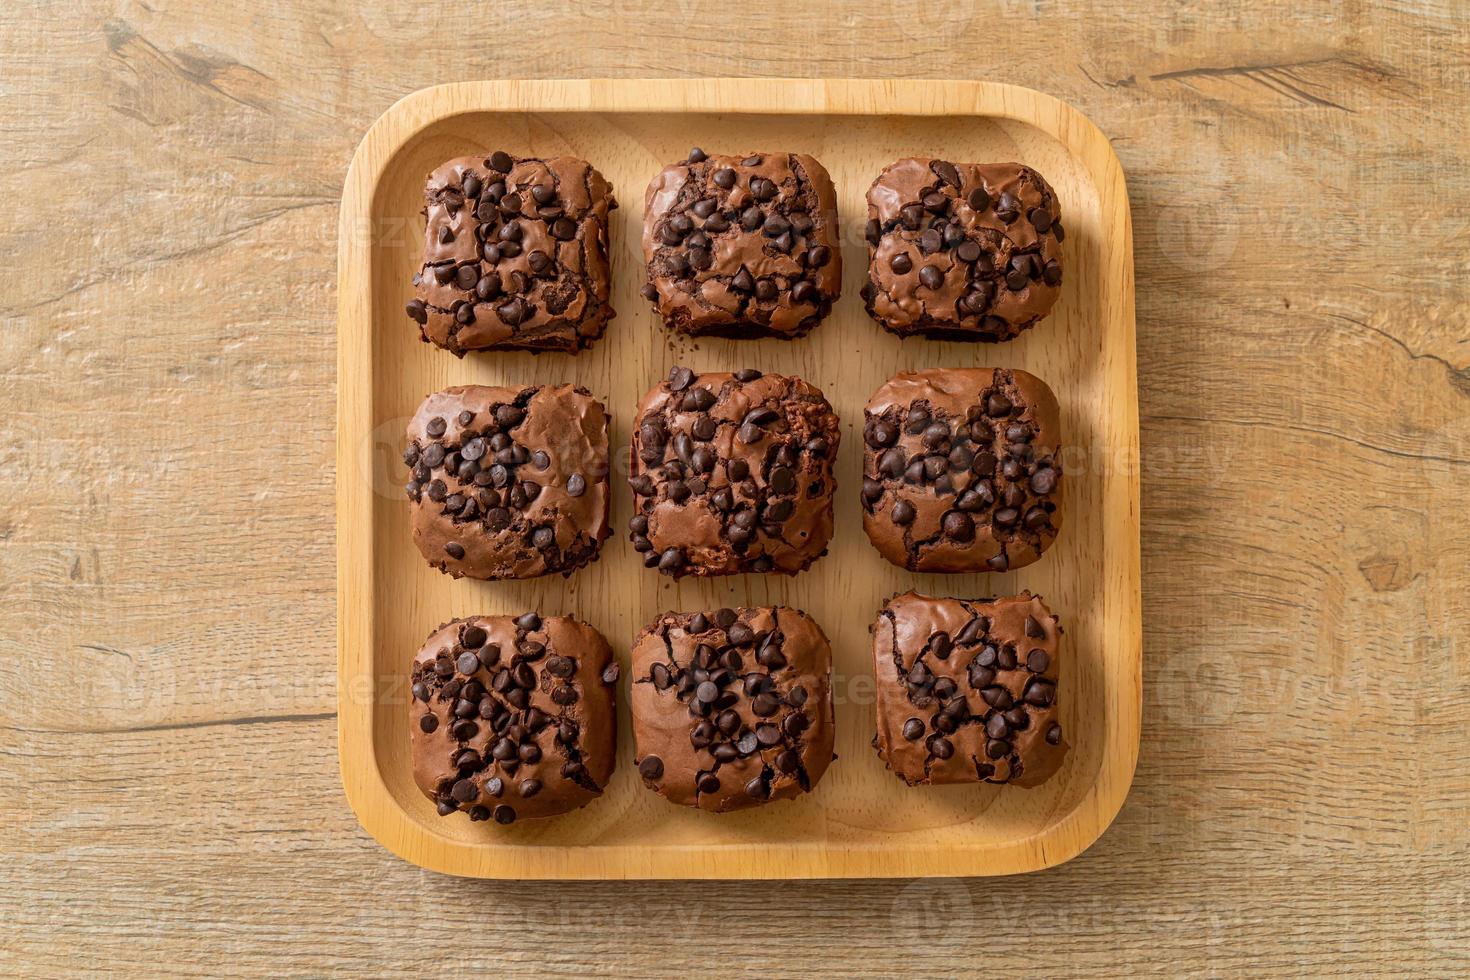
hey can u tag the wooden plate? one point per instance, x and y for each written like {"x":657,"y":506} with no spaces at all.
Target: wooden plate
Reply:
{"x":860,"y":821}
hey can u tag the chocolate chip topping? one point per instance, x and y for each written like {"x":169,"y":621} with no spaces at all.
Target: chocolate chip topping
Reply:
{"x":515,"y":258}
{"x":732,"y":708}
{"x":985,"y":709}
{"x":962,"y":470}
{"x":950,"y":256}
{"x":514,"y":486}
{"x":742,"y":246}
{"x":513,"y":717}
{"x":732,"y":473}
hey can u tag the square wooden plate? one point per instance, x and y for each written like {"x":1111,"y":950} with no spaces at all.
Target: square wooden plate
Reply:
{"x":860,"y":821}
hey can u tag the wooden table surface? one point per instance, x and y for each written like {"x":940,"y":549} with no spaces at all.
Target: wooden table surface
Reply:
{"x":171,"y":800}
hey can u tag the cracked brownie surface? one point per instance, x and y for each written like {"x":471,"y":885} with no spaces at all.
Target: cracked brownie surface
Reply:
{"x":515,"y":255}
{"x":742,"y":246}
{"x":967,"y":689}
{"x":513,"y":716}
{"x":732,"y":473}
{"x":732,"y":708}
{"x":508,"y":483}
{"x":962,"y":251}
{"x":962,"y":470}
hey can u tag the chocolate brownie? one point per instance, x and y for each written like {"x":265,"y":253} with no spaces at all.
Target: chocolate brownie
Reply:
{"x":513,"y":716}
{"x":962,"y":470}
{"x":508,"y":483}
{"x":962,"y":251}
{"x":742,"y":246}
{"x":732,"y":708}
{"x":732,"y":473}
{"x":515,"y":255}
{"x":967,"y":689}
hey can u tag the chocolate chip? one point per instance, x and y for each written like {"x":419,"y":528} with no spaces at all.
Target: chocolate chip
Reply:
{"x":504,"y":814}
{"x":997,"y":697}
{"x":428,"y":724}
{"x":500,"y":161}
{"x":931,"y":277}
{"x":698,"y":400}
{"x":454,"y":550}
{"x":901,"y":264}
{"x":1053,"y":734}
{"x":1040,"y":693}
{"x":946,"y":172}
{"x":903,"y":512}
{"x":913,"y":729}
{"x":576,"y":485}
{"x":418,"y":310}
{"x":514,"y":313}
{"x":959,"y":526}
{"x":940,"y":747}
{"x":1040,"y":219}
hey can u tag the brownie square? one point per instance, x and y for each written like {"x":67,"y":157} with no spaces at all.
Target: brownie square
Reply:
{"x":513,"y":716}
{"x":742,"y":246}
{"x":515,"y":255}
{"x":962,"y":470}
{"x":732,"y":473}
{"x":732,"y":708}
{"x":962,"y":251}
{"x":508,"y":483}
{"x":967,"y":689}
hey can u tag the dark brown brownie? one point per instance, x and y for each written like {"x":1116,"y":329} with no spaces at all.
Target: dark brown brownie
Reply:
{"x":508,"y":483}
{"x":962,"y":251}
{"x":732,"y":473}
{"x":732,"y":708}
{"x":515,"y":255}
{"x":513,"y":717}
{"x":962,"y":470}
{"x":742,"y":246}
{"x":967,"y":689}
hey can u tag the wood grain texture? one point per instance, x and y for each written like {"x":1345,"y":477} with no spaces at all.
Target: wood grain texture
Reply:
{"x":167,"y":739}
{"x":861,"y":821}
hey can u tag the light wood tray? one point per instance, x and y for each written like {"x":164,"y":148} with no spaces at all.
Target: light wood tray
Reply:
{"x":860,"y":821}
